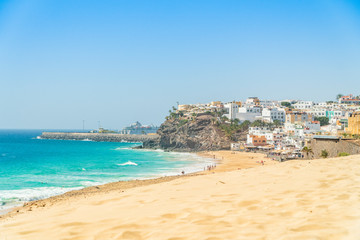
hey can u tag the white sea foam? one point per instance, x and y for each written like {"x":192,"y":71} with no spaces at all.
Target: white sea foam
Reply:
{"x":92,"y":183}
{"x":123,"y":148}
{"x":127,"y":163}
{"x":149,"y":150}
{"x":12,"y":198}
{"x":87,"y":140}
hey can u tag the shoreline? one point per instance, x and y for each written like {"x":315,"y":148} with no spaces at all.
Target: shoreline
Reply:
{"x":221,"y":159}
{"x":299,"y":199}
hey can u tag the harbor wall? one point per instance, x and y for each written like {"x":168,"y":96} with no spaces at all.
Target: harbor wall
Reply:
{"x":99,"y":137}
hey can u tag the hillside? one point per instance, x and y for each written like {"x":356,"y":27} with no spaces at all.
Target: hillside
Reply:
{"x":200,"y":133}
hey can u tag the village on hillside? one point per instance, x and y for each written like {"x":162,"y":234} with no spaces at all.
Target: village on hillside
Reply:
{"x":287,"y":127}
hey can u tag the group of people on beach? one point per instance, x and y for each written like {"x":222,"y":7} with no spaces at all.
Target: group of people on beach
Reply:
{"x":210,"y":167}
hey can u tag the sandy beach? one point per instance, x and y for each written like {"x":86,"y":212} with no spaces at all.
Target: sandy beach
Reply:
{"x":240,"y":199}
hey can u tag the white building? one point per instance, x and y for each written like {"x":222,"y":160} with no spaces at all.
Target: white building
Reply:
{"x":303,"y":105}
{"x":312,"y":127}
{"x":278,"y":137}
{"x":258,"y":130}
{"x":249,"y":113}
{"x":318,"y":112}
{"x":268,"y":103}
{"x":252,"y":101}
{"x":272,"y":114}
{"x":232,"y":109}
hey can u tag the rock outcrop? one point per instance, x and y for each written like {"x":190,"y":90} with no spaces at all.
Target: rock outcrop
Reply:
{"x":198,"y":134}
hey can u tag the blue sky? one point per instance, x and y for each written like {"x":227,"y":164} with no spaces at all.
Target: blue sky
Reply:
{"x":65,"y":61}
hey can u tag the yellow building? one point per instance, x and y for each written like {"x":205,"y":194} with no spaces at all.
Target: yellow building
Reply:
{"x":215,"y":103}
{"x":184,"y":107}
{"x":238,"y":103}
{"x":354,"y":123}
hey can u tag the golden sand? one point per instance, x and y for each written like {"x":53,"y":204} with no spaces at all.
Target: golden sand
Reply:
{"x":300,"y":199}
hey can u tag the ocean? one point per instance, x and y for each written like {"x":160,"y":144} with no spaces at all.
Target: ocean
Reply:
{"x":32,"y":168}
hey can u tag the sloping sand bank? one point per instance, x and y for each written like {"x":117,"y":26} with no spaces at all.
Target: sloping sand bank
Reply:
{"x":318,"y":199}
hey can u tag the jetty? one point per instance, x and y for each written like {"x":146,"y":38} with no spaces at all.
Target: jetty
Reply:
{"x":99,"y":137}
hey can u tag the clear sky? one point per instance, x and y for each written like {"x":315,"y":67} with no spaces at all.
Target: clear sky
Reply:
{"x":65,"y":61}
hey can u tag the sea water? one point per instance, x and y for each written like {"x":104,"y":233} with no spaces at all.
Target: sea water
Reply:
{"x":33,"y":168}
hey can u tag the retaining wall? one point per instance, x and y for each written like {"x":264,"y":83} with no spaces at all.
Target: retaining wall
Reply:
{"x":334,"y":147}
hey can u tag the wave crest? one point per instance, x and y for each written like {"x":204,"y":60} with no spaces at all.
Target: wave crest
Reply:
{"x":127,"y":163}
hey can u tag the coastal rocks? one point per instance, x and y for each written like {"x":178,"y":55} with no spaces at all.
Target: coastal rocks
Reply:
{"x":198,"y":134}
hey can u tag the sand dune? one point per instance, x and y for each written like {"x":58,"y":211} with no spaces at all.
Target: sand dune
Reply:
{"x":301,"y":199}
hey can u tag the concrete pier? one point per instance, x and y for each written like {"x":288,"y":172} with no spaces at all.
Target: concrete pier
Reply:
{"x":99,"y":137}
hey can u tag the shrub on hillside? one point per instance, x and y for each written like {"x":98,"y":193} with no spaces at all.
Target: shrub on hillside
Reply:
{"x":343,"y":154}
{"x":324,"y":153}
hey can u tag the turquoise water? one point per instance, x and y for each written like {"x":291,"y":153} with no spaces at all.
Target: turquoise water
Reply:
{"x":32,"y":168}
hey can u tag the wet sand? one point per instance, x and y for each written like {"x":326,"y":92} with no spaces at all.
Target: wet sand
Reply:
{"x":302,"y":199}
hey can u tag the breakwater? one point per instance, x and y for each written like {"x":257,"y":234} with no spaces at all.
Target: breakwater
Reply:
{"x":99,"y":137}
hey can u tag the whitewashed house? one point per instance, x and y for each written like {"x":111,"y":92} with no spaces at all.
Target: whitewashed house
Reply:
{"x":303,"y":105}
{"x":272,"y":114}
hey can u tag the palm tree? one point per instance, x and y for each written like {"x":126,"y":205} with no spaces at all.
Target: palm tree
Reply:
{"x":307,"y":151}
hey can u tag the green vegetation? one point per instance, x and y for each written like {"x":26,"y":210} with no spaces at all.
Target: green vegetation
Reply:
{"x":343,"y":154}
{"x":324,"y":153}
{"x":286,"y":104}
{"x":219,"y":113}
{"x":229,"y":127}
{"x":308,"y":151}
{"x":259,"y":123}
{"x":323,"y":120}
{"x":339,"y":96}
{"x":277,"y":123}
{"x":356,"y":136}
{"x":233,"y":127}
{"x":174,"y":114}
{"x":182,"y":122}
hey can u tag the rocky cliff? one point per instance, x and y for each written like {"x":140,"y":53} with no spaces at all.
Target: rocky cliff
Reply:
{"x":200,"y":133}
